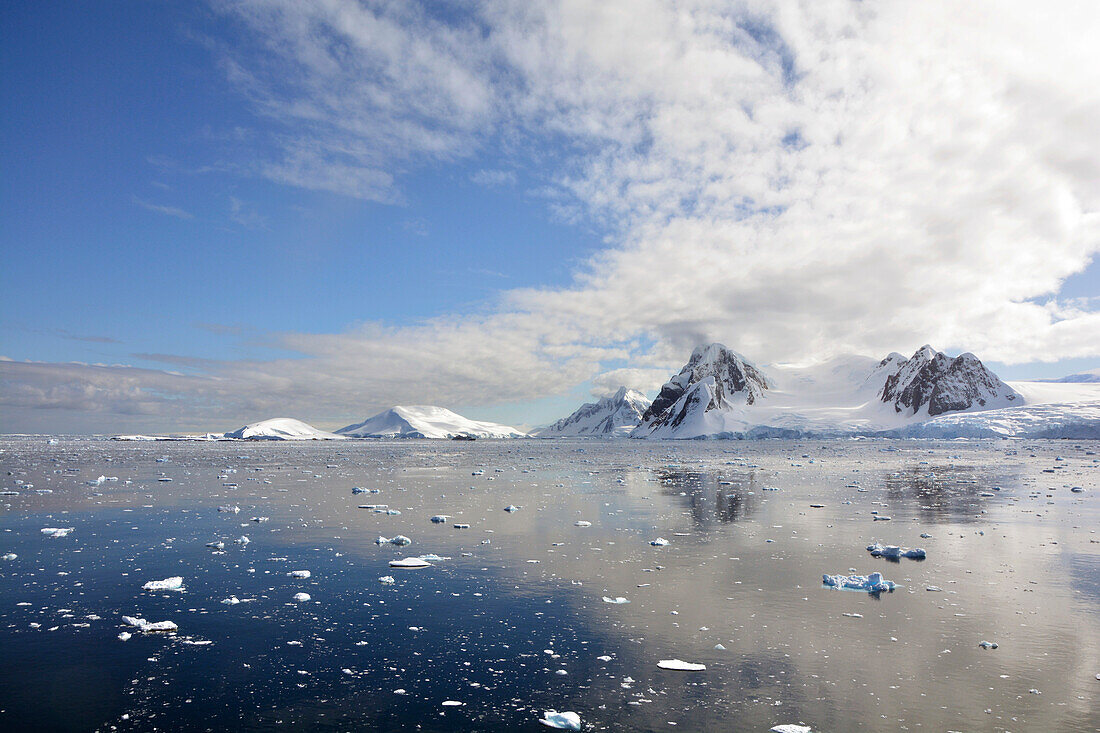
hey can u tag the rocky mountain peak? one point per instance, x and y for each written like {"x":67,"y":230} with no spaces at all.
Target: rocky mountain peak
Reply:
{"x":934,"y":381}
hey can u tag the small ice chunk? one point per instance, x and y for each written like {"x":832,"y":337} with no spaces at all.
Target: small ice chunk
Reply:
{"x":561,"y":721}
{"x":303,"y":574}
{"x":881,"y":518}
{"x":720,"y":647}
{"x":302,"y":597}
{"x":659,"y":542}
{"x":790,"y":728}
{"x":242,"y":540}
{"x":582,"y":523}
{"x":386,"y":580}
{"x":400,"y":540}
{"x":125,"y":636}
{"x":916,"y":553}
{"x":873,"y":583}
{"x":440,"y":519}
{"x":148,"y":627}
{"x":987,"y":644}
{"x":680,"y":665}
{"x":57,"y":531}
{"x":410,"y":562}
{"x":462,"y":526}
{"x":618,"y":599}
{"x":9,"y":557}
{"x":382,"y":540}
{"x":229,"y":509}
{"x":925,"y":536}
{"x":432,"y":557}
{"x":216,"y":545}
{"x":511,"y":508}
{"x":231,"y":601}
{"x":452,"y":703}
{"x":173,"y":583}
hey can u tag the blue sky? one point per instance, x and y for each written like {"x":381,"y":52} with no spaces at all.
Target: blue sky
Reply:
{"x":335,"y":207}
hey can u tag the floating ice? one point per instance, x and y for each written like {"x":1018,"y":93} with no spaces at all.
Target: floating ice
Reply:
{"x":125,"y":636}
{"x":452,"y":703}
{"x":440,"y":519}
{"x":561,"y":721}
{"x":881,"y":518}
{"x":57,"y":531}
{"x":987,"y":644}
{"x":618,"y":599}
{"x":173,"y":583}
{"x":231,"y":601}
{"x":462,"y":526}
{"x":382,"y":540}
{"x":229,"y":509}
{"x":147,"y":627}
{"x":432,"y":557}
{"x":895,"y":551}
{"x":873,"y":583}
{"x":386,"y":580}
{"x":582,"y":523}
{"x":400,"y":540}
{"x":303,"y":574}
{"x":790,"y":728}
{"x":216,"y":545}
{"x":680,"y":665}
{"x":302,"y":597}
{"x":9,"y":557}
{"x":242,"y":540}
{"x":410,"y":562}
{"x":659,"y":542}
{"x":511,"y":508}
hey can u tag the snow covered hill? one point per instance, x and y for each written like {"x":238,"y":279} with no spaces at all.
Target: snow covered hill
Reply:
{"x":613,"y":416}
{"x":425,"y":421}
{"x":281,"y":428}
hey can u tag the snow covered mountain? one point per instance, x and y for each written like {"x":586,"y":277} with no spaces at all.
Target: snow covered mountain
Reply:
{"x":613,"y":416}
{"x":932,"y":383}
{"x":720,"y":395}
{"x":425,"y":421}
{"x":281,"y":428}
{"x":713,"y":382}
{"x":1088,"y":377}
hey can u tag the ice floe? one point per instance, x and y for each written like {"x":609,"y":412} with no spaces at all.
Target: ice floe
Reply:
{"x":873,"y":583}
{"x":173,"y":583}
{"x":894,"y":552}
{"x":561,"y":721}
{"x":57,"y":531}
{"x":680,"y":665}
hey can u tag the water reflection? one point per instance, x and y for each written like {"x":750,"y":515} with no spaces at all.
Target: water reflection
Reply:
{"x":711,"y":497}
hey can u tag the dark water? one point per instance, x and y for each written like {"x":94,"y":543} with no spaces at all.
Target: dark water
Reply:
{"x":513,"y":623}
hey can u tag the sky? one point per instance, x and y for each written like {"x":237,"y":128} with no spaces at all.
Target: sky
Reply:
{"x":217,"y":212}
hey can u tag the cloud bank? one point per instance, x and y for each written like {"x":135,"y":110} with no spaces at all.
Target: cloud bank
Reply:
{"x":792,"y":178}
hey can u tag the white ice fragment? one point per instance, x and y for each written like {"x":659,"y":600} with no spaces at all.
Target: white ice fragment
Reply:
{"x":720,"y":647}
{"x":987,"y":644}
{"x":561,"y":721}
{"x":680,"y":665}
{"x":873,"y":583}
{"x":231,"y":601}
{"x":462,"y":526}
{"x":303,"y":574}
{"x":410,"y":562}
{"x":452,"y":703}
{"x":432,"y":557}
{"x":881,"y":518}
{"x":216,"y":545}
{"x":230,"y":509}
{"x":604,"y":658}
{"x":895,"y":551}
{"x":124,"y":636}
{"x":242,"y":540}
{"x":148,"y":627}
{"x":173,"y":583}
{"x":790,"y":728}
{"x":440,"y":519}
{"x":382,"y":540}
{"x":9,"y":557}
{"x":57,"y":531}
{"x":511,"y":508}
{"x":400,"y":540}
{"x":618,"y":599}
{"x":302,"y":597}
{"x":582,"y":523}
{"x":659,"y":542}
{"x":925,"y":536}
{"x":386,"y":580}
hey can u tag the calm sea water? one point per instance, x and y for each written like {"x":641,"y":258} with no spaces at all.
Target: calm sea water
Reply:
{"x":513,"y":622}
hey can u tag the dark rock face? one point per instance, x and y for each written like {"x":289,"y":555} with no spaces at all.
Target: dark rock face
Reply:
{"x":933,"y":379}
{"x":731,"y":375}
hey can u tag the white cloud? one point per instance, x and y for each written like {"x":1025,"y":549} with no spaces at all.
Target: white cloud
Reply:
{"x":790,"y":178}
